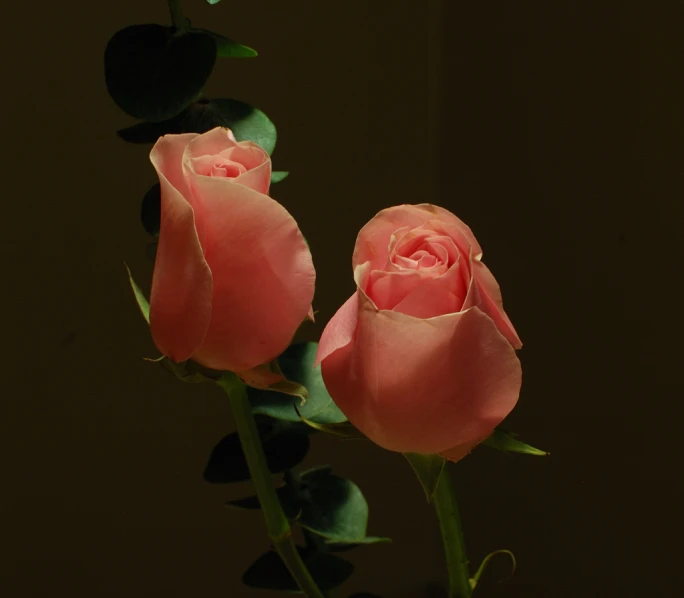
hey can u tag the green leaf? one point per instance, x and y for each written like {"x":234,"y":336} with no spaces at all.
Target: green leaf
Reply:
{"x":152,"y":73}
{"x":506,"y":441}
{"x":213,"y":1}
{"x":428,"y":468}
{"x":246,"y":122}
{"x":334,"y":508}
{"x":140,"y":298}
{"x":296,"y":364}
{"x":227,"y":48}
{"x":278,"y":175}
{"x":150,"y":212}
{"x":268,"y":572}
{"x":283,"y":446}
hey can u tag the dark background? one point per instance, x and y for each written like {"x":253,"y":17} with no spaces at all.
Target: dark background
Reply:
{"x":554,"y":129}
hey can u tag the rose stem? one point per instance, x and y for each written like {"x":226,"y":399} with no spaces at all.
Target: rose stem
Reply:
{"x":452,"y":538}
{"x":177,"y":18}
{"x":277,"y":525}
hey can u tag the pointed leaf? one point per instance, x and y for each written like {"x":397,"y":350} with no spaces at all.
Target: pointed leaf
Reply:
{"x":246,"y":122}
{"x":152,"y":73}
{"x":268,"y":572}
{"x":296,"y":364}
{"x":227,"y":48}
{"x":150,"y":212}
{"x":142,"y":302}
{"x":334,"y":508}
{"x":506,"y":441}
{"x":283,"y":449}
{"x":278,"y":175}
{"x":428,"y":468}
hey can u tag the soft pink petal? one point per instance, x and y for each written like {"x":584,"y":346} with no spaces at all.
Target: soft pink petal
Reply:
{"x":210,"y":143}
{"x":180,"y":302}
{"x":424,"y":386}
{"x":437,"y":296}
{"x":485,"y":293}
{"x":340,"y":329}
{"x":374,"y":238}
{"x":456,"y":453}
{"x":262,"y":271}
{"x":167,"y":158}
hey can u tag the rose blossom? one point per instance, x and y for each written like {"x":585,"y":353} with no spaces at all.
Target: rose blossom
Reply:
{"x":421,"y":358}
{"x":233,"y":277}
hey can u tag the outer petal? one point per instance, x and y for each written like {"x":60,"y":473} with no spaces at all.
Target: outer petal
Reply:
{"x":424,"y":386}
{"x":456,"y":453}
{"x":484,"y":292}
{"x":340,"y":329}
{"x":211,"y":143}
{"x":374,"y":238}
{"x":262,"y":270}
{"x":180,"y":303}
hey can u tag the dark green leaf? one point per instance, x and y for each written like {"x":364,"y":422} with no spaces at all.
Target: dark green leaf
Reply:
{"x":278,"y":175}
{"x":505,"y":441}
{"x":153,"y":73}
{"x":140,"y":298}
{"x":296,"y":364}
{"x":334,"y":507}
{"x":283,"y":448}
{"x":150,"y":212}
{"x":269,"y":573}
{"x":344,"y":546}
{"x":227,"y":48}
{"x":428,"y":468}
{"x":246,"y":122}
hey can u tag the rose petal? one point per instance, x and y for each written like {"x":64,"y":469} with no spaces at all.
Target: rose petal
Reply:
{"x":167,"y":158}
{"x":485,"y":293}
{"x":262,"y":271}
{"x":423,"y":386}
{"x":437,"y":296}
{"x":456,"y":453}
{"x":372,"y":243}
{"x":210,"y":143}
{"x":180,"y":302}
{"x":340,"y":329}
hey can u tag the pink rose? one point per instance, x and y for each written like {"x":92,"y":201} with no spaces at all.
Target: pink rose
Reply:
{"x":422,"y":357}
{"x":233,"y":277}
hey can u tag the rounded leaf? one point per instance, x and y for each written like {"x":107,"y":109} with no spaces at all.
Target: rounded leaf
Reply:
{"x":153,"y":73}
{"x":297,"y":364}
{"x":284,"y":449}
{"x":334,"y":507}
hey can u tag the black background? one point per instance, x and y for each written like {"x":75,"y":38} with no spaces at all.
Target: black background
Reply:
{"x":553,"y":128}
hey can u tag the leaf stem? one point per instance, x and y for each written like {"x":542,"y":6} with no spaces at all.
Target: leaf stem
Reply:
{"x":177,"y":18}
{"x":277,"y":525}
{"x":452,"y":538}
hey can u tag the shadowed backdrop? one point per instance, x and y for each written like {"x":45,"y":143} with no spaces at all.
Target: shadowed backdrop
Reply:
{"x":552,"y":130}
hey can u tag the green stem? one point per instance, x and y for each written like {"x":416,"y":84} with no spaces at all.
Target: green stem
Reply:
{"x":277,"y":525}
{"x":177,"y":18}
{"x":452,"y":537}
